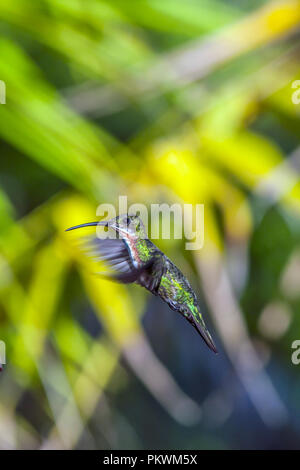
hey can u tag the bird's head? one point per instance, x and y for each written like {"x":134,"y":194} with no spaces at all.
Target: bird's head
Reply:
{"x":127,"y":225}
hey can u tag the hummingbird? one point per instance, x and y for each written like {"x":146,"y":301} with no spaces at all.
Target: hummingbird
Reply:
{"x":135,"y":259}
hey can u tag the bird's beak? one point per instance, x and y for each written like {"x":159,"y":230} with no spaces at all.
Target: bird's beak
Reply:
{"x":104,"y":223}
{"x":89,"y":224}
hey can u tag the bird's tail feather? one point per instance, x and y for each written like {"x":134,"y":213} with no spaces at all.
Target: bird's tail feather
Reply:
{"x":204,"y":333}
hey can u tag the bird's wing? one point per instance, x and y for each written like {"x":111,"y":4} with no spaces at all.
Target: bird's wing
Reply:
{"x":148,"y":275}
{"x":112,"y":252}
{"x":115,"y":254}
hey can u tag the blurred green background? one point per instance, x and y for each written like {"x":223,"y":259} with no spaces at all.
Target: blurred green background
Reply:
{"x":162,"y":101}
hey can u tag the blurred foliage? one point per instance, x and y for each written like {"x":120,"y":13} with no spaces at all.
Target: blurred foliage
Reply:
{"x":169,"y":101}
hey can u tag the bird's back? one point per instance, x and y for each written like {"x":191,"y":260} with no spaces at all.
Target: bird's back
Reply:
{"x":176,"y":291}
{"x":173,"y":287}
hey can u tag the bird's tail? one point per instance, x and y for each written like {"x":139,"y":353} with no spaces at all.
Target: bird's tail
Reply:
{"x":204,"y":333}
{"x":206,"y":337}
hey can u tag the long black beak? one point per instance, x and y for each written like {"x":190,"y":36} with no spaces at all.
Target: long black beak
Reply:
{"x":88,"y":224}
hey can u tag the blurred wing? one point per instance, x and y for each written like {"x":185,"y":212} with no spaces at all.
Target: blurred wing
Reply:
{"x":112,"y":252}
{"x":115,"y":254}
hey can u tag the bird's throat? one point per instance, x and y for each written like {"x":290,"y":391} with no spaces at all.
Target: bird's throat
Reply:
{"x":138,"y":249}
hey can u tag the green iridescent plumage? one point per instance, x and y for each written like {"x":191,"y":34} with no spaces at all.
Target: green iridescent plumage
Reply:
{"x":136,"y":259}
